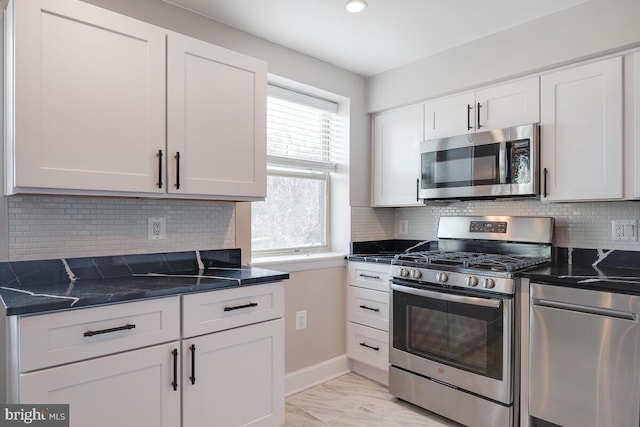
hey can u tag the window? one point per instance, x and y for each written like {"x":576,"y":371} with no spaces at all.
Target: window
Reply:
{"x":300,"y":139}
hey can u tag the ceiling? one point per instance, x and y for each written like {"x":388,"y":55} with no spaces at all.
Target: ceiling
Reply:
{"x":386,"y":35}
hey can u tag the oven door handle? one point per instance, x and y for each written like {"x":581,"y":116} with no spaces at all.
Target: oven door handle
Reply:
{"x":485,"y":302}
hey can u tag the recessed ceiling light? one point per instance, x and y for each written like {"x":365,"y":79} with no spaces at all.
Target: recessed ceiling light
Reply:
{"x":355,"y":6}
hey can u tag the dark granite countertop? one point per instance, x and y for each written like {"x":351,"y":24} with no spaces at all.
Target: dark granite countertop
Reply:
{"x":594,"y":269}
{"x":28,"y":287}
{"x":383,"y":251}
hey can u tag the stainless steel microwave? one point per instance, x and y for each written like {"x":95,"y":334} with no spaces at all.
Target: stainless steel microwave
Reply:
{"x":497,"y":163}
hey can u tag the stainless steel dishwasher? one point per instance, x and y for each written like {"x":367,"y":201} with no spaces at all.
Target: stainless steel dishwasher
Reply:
{"x":584,"y":357}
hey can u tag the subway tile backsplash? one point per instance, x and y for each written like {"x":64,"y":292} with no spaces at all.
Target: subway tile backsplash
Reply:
{"x":577,"y":225}
{"x":43,"y":227}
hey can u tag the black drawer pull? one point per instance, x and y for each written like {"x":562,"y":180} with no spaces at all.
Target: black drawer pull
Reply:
{"x":239,"y":307}
{"x":174,"y":383}
{"x":368,"y":276}
{"x":469,"y":108}
{"x":193,"y":363}
{"x":106,"y":331}
{"x":369,"y":308}
{"x":364,"y":344}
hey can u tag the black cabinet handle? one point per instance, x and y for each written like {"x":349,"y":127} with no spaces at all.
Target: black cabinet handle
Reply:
{"x":417,"y":189}
{"x":239,"y":307}
{"x":369,"y":308}
{"x":469,"y":107}
{"x":106,"y":331}
{"x":175,"y":369}
{"x":368,"y":276}
{"x":193,"y":363}
{"x":478,"y":124}
{"x":544,"y":190}
{"x":370,"y":346}
{"x":160,"y":169}
{"x":177,"y":170}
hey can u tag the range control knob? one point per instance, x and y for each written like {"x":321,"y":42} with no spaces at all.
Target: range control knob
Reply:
{"x":488,"y":282}
{"x":416,"y":274}
{"x":404,"y":272}
{"x":471,"y":281}
{"x":442,"y":277}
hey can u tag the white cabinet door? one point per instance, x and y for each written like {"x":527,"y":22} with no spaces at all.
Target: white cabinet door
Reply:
{"x":450,"y":116}
{"x":89,"y":99}
{"x":396,"y":137}
{"x":238,"y":377}
{"x":581,"y":132}
{"x":130,"y":389}
{"x":632,"y":126}
{"x":216,"y":120}
{"x":512,"y":104}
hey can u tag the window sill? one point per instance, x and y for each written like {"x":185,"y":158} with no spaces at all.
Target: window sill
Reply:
{"x":301,"y":262}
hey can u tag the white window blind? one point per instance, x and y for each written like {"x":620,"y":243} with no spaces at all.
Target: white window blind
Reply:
{"x":300,"y":130}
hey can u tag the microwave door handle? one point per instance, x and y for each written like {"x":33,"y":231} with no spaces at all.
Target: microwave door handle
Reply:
{"x":485,"y":302}
{"x":503,"y":163}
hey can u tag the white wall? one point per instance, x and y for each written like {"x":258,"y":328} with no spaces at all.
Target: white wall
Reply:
{"x":584,"y":31}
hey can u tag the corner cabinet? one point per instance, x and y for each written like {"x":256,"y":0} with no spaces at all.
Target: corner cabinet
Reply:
{"x":100,"y":103}
{"x":581,"y":132}
{"x":396,"y":152}
{"x":509,"y":104}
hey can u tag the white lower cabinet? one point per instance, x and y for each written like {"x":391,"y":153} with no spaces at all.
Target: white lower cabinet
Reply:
{"x":128,"y":365}
{"x":130,"y":389}
{"x":368,"y":319}
{"x":235,"y":377}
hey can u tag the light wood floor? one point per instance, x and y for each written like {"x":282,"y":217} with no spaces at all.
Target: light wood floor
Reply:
{"x":352,"y":400}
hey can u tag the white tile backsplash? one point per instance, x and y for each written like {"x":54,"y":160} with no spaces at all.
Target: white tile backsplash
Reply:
{"x":578,"y":225}
{"x":43,"y":227}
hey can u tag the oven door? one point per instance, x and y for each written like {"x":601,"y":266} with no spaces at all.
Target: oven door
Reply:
{"x":463,"y":340}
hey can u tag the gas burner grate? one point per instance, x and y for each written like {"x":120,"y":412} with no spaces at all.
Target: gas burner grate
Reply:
{"x":475,"y":260}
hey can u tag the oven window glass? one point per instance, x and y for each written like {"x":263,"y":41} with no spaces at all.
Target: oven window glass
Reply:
{"x":465,"y":336}
{"x":461,"y":167}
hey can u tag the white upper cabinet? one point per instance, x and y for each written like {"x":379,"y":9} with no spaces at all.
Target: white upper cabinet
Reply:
{"x":632,"y":126}
{"x":453,"y":115}
{"x":89,"y":99}
{"x":396,"y":143}
{"x":106,"y":104}
{"x":216,"y":120}
{"x":510,"y":104}
{"x":581,"y":132}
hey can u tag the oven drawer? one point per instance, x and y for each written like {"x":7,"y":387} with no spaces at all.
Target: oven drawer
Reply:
{"x":68,"y":336}
{"x":368,"y":307}
{"x":368,"y":345}
{"x":368,"y":275}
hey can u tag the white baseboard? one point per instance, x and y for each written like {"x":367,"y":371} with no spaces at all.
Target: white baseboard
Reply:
{"x":302,"y":379}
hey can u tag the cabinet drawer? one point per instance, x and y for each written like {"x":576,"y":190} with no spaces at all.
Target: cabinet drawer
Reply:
{"x":368,"y":345}
{"x":368,"y":307}
{"x":57,"y":338}
{"x":369,"y":275}
{"x":219,"y":310}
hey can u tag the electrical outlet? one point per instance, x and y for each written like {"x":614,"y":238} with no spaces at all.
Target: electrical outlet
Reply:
{"x":403,"y":226}
{"x":157,"y":228}
{"x":301,"y":320}
{"x":624,"y":229}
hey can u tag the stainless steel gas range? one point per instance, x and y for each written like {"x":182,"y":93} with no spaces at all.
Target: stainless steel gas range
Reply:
{"x":454,"y":335}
